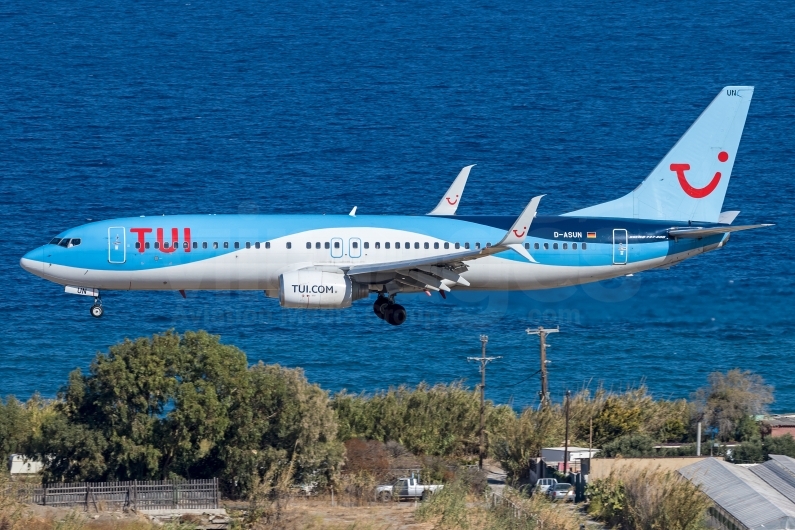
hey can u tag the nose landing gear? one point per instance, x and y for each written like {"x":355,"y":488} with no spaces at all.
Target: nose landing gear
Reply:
{"x":386,"y":309}
{"x":96,"y":309}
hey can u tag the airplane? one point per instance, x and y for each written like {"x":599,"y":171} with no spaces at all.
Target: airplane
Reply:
{"x":330,"y":261}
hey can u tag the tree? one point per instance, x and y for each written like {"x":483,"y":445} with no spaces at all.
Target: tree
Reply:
{"x":282,"y":425}
{"x":729,"y":398}
{"x":629,"y":446}
{"x":186,"y":406}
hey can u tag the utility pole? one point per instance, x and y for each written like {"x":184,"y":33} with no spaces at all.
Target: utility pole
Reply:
{"x":483,"y":360}
{"x":566,"y":442}
{"x":542,"y":335}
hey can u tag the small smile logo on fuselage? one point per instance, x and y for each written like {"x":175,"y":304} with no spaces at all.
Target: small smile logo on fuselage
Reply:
{"x":698,"y":193}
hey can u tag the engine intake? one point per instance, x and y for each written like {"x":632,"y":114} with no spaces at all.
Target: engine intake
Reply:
{"x":319,"y":289}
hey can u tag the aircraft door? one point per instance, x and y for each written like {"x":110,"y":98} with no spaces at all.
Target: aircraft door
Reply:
{"x":620,"y":246}
{"x":336,"y":247}
{"x":117,"y":244}
{"x":355,"y":250}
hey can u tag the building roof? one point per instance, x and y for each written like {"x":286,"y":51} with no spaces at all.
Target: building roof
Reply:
{"x":760,"y":497}
{"x":781,"y":421}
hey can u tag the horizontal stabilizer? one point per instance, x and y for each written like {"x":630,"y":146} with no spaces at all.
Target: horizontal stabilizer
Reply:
{"x":698,"y":233}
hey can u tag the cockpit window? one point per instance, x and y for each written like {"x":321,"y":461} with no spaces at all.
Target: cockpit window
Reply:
{"x":64,"y":242}
{"x":74,"y":242}
{"x":55,"y":241}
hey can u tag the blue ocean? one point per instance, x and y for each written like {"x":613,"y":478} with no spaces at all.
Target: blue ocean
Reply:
{"x":111,"y":109}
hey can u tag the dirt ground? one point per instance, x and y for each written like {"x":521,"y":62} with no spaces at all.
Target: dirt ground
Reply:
{"x":316,"y":514}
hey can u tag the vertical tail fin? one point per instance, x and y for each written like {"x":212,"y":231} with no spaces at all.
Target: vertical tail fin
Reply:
{"x":690,"y":182}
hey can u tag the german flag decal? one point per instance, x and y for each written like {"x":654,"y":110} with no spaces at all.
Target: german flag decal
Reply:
{"x":591,"y":235}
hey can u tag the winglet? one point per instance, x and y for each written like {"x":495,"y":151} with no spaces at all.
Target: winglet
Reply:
{"x":518,"y":231}
{"x":728,"y":218}
{"x":450,"y":201}
{"x":353,"y":212}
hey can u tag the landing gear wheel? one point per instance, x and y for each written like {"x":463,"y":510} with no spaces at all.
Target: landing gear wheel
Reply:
{"x":395,"y":314}
{"x":96,"y":310}
{"x":380,"y":305}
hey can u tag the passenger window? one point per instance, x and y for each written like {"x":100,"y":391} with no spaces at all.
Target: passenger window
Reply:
{"x":157,"y":244}
{"x":317,"y":245}
{"x":477,"y":245}
{"x":436,"y":246}
{"x":377,"y":245}
{"x":204,"y":245}
{"x":527,"y":246}
{"x":366,"y":245}
{"x":146,"y":245}
{"x":165,"y":245}
{"x":416,"y":245}
{"x":466,"y":245}
{"x":355,"y":244}
{"x":195,"y":244}
{"x":336,"y":244}
{"x":427,"y":245}
{"x":137,"y":244}
{"x":386,"y":245}
{"x":215,"y":245}
{"x":397,"y":245}
{"x":546,"y":246}
{"x":248,"y":245}
{"x":327,"y":245}
{"x":535,"y":246}
{"x":237,"y":244}
{"x":408,"y":246}
{"x":574,"y":246}
{"x":554,"y":246}
{"x":308,"y":245}
{"x":446,"y":245}
{"x":55,"y":241}
{"x":226,"y":244}
{"x":256,"y":244}
{"x":584,"y":246}
{"x":458,"y":245}
{"x":565,"y":246}
{"x":267,"y":244}
{"x":289,"y":245}
{"x":185,"y":244}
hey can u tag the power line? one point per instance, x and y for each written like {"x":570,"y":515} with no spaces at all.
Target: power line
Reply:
{"x":483,"y":360}
{"x":542,"y":334}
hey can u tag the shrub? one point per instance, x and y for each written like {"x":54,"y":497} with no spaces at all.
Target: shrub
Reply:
{"x":648,"y":500}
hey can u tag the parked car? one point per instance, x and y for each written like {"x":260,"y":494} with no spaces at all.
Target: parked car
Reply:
{"x":561,"y":492}
{"x":406,"y":488}
{"x":543,"y":485}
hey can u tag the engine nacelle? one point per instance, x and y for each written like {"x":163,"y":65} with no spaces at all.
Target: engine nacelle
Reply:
{"x":319,"y":289}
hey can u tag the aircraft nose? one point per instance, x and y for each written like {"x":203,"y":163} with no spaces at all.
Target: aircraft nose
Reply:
{"x":33,"y":261}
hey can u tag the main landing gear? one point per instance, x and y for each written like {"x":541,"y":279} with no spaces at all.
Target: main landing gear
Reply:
{"x":96,"y":309}
{"x":386,"y":309}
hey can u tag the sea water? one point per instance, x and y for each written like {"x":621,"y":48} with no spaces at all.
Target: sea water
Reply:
{"x":111,"y":109}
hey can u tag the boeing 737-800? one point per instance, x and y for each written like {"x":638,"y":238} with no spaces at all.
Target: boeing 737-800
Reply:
{"x":329,"y":261}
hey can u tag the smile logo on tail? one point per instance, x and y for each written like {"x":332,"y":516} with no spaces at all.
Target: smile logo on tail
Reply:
{"x":698,"y":193}
{"x":452,"y":203}
{"x":517,"y":234}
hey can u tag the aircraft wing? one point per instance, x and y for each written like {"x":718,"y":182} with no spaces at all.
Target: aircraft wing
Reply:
{"x":698,"y":233}
{"x":450,"y":200}
{"x":439,"y":272}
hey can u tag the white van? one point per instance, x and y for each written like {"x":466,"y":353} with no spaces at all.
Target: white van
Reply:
{"x":543,"y":485}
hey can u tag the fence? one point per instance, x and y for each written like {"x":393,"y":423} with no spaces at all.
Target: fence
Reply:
{"x":135,"y":495}
{"x":496,"y":500}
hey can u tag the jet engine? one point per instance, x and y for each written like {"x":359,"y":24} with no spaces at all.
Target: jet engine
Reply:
{"x":319,"y":289}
